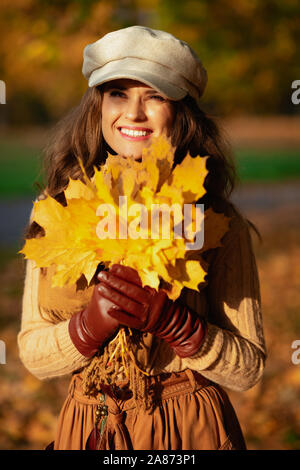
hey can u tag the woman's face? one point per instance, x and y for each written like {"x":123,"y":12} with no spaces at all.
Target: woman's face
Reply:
{"x":133,"y":113}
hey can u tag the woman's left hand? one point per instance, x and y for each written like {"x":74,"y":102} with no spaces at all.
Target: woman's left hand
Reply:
{"x":146,"y":309}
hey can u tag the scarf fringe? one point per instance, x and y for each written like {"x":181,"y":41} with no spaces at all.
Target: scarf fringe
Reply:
{"x":102,"y":371}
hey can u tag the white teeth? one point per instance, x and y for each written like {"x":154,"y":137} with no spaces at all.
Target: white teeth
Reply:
{"x":132,"y":132}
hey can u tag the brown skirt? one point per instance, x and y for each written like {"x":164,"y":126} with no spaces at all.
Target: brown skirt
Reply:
{"x":191,"y":413}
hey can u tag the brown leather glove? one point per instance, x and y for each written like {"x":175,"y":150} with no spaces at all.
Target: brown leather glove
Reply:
{"x":148,"y":310}
{"x":92,"y":327}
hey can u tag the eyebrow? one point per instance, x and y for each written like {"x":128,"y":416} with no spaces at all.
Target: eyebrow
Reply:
{"x":123,"y":88}
{"x":115,"y":87}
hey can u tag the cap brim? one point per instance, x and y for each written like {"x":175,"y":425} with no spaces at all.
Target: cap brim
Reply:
{"x":163,"y":86}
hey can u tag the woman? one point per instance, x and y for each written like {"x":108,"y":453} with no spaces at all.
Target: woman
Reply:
{"x":145,"y":83}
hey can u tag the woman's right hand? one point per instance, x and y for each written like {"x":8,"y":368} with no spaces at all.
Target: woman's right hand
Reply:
{"x":92,"y":327}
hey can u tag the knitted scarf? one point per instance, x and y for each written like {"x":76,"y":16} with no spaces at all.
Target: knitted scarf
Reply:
{"x":60,"y":303}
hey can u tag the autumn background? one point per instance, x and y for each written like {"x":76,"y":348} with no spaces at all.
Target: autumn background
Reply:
{"x":249,"y":48}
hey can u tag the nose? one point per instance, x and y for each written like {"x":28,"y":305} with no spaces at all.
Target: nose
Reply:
{"x":135,"y":109}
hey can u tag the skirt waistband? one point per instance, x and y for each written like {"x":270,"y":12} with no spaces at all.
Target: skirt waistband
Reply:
{"x":163,"y":386}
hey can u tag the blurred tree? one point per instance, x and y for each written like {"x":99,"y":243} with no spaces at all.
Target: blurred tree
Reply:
{"x":249,"y":49}
{"x":41,"y":51}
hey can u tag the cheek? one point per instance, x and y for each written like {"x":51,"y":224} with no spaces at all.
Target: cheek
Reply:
{"x":105,"y":131}
{"x":109,"y":115}
{"x":104,"y":112}
{"x":161,"y":116}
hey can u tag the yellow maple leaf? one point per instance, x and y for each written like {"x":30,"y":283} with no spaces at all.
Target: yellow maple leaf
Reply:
{"x":77,"y":189}
{"x":189,"y":176}
{"x":215,"y":226}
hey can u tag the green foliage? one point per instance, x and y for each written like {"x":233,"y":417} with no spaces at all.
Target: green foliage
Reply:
{"x":268,"y":165}
{"x":20,"y":168}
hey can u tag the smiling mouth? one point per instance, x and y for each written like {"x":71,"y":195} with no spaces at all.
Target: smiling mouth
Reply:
{"x":135,"y":134}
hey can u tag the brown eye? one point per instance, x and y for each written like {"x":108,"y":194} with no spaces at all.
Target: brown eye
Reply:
{"x":116,"y":93}
{"x":158,"y":97}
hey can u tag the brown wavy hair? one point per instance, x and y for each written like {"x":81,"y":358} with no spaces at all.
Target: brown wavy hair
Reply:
{"x":79,"y":134}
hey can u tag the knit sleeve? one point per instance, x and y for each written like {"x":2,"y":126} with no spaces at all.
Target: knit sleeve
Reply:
{"x":45,"y":348}
{"x":233,"y":352}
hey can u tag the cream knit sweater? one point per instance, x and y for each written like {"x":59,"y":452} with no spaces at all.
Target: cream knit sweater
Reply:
{"x":233,"y":353}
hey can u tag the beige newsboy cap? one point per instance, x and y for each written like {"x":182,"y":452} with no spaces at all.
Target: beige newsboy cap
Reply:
{"x":153,"y":57}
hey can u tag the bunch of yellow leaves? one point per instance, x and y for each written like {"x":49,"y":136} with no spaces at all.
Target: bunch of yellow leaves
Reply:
{"x":108,"y":219}
{"x":72,"y":242}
